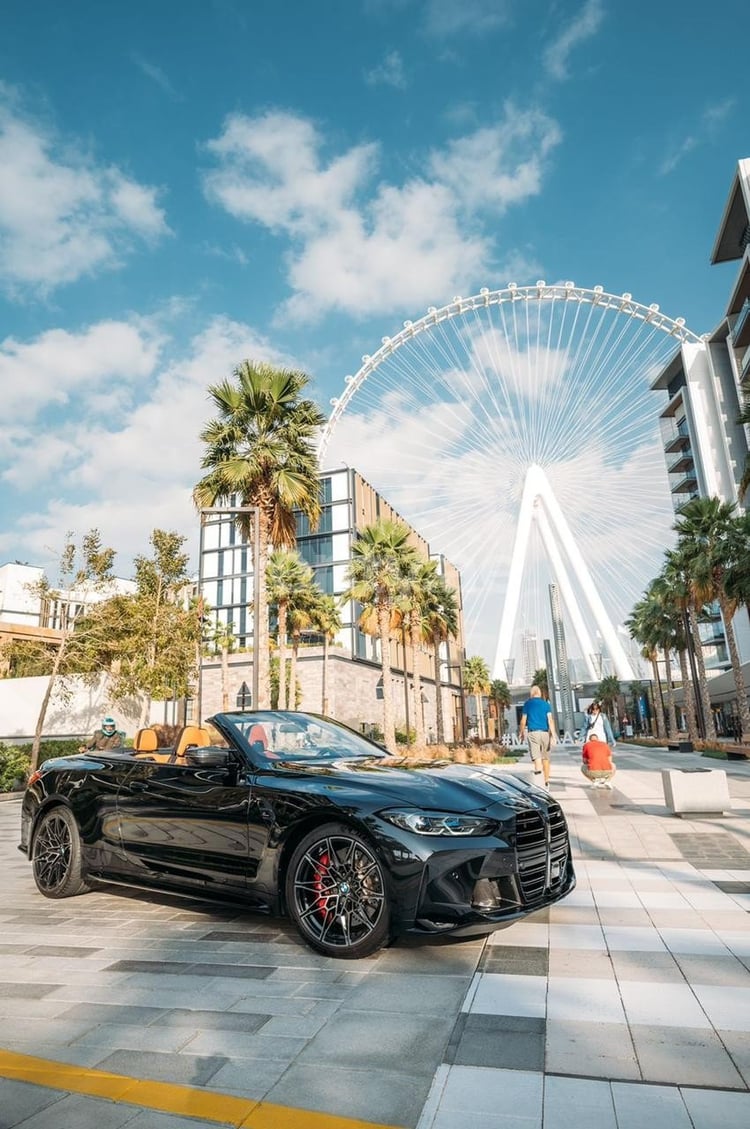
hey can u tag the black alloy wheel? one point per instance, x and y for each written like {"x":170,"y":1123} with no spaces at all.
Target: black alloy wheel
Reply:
{"x":336,"y":892}
{"x":56,"y":855}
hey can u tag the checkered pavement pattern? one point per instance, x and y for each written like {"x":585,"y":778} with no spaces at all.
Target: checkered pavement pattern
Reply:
{"x":629,"y":1002}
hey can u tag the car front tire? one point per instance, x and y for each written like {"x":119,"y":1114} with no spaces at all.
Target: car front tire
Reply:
{"x":337,"y":893}
{"x":56,"y":855}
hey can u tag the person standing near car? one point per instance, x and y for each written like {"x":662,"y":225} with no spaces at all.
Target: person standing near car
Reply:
{"x":599,"y":726}
{"x":538,"y":722}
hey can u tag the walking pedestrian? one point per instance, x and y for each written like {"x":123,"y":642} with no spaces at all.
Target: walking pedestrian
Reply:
{"x":537,"y":720}
{"x":598,"y":723}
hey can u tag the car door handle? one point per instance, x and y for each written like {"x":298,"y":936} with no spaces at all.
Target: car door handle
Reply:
{"x":139,"y":786}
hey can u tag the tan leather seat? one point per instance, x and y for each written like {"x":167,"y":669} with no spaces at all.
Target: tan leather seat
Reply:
{"x":192,"y":735}
{"x":146,"y":747}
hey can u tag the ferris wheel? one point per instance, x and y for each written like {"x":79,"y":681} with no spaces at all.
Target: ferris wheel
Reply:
{"x":517,"y":431}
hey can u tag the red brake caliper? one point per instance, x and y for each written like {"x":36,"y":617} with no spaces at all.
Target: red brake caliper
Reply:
{"x":321,"y":872}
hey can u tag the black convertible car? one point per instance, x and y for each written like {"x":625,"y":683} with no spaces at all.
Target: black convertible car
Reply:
{"x":291,"y":812}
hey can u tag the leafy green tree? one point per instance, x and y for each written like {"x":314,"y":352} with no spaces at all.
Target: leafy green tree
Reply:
{"x":301,"y":618}
{"x":86,"y":571}
{"x":260,"y":450}
{"x":477,"y":683}
{"x":714,"y":545}
{"x":413,"y":600}
{"x":27,"y":658}
{"x":375,"y":573}
{"x":440,"y":624}
{"x":287,"y":576}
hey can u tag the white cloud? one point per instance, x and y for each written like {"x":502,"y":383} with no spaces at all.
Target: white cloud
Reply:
{"x":62,"y":215}
{"x":361,"y":245}
{"x":500,"y":165}
{"x":59,"y":364}
{"x":582,"y":27}
{"x":124,"y":472}
{"x":156,"y":74}
{"x":389,"y":72}
{"x":709,"y":121}
{"x":449,"y":17}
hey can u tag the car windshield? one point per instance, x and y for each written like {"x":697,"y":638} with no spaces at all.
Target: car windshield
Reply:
{"x":288,"y":735}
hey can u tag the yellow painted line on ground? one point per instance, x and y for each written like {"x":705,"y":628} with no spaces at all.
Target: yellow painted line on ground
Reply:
{"x":223,"y":1109}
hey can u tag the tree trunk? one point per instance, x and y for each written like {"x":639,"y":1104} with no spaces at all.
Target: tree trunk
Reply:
{"x":225,"y":678}
{"x":283,"y":700}
{"x":480,"y":716}
{"x":417,"y":684}
{"x":661,"y":731}
{"x":671,"y":715}
{"x":260,"y":645}
{"x":34,"y":764}
{"x":700,"y":663}
{"x":291,"y":690}
{"x":384,"y":628}
{"x":687,"y":688}
{"x":324,"y":681}
{"x":145,"y":714}
{"x":742,"y":706}
{"x":439,"y":717}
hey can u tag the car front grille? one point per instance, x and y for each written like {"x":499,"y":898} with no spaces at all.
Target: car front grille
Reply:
{"x":542,"y":850}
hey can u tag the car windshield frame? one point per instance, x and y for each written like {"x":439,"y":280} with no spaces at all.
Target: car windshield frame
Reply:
{"x":294,"y":736}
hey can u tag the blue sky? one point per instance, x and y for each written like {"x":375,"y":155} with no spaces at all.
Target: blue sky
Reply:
{"x":184,"y":184}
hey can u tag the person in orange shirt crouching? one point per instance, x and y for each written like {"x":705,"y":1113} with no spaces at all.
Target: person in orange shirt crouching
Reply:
{"x":597,"y":762}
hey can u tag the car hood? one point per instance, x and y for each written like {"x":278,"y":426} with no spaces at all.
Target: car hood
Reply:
{"x":439,"y":786}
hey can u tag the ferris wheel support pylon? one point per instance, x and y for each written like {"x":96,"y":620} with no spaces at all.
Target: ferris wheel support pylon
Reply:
{"x":537,"y":491}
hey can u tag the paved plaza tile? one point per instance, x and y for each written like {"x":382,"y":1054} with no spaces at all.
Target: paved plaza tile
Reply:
{"x":627,"y":1004}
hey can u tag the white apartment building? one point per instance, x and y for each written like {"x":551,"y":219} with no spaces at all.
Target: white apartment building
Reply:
{"x":704,"y":446}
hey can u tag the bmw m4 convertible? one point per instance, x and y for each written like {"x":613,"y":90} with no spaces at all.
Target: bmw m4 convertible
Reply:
{"x":293,"y":813}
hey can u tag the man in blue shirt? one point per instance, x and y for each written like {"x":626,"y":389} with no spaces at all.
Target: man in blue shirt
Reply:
{"x":537,"y":720}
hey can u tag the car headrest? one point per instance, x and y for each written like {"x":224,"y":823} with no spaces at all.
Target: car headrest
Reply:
{"x":192,"y":735}
{"x":146,"y":741}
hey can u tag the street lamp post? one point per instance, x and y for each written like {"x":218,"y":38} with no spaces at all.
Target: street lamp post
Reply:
{"x":208,"y":511}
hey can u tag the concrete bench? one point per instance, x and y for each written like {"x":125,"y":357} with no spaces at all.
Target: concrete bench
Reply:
{"x":696,"y":791}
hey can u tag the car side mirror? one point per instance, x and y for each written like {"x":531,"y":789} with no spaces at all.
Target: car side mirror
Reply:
{"x":207,"y":757}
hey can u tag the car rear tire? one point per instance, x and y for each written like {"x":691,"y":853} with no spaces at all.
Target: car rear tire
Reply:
{"x":337,"y":893}
{"x":56,"y":855}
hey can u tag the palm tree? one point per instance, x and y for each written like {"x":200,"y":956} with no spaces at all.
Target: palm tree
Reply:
{"x":412,"y":603}
{"x":608,"y":693}
{"x":440,"y":624}
{"x":260,"y":449}
{"x":501,"y":697}
{"x":375,"y":573}
{"x":673,"y":588}
{"x":477,"y":682}
{"x":326,"y":618}
{"x":640,"y":624}
{"x":714,"y":545}
{"x":286,"y":576}
{"x":301,"y":616}
{"x":540,"y":679}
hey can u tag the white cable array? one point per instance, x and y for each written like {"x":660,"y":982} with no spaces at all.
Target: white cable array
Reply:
{"x":447,"y":417}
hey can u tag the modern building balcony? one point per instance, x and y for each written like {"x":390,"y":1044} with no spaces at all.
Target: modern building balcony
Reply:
{"x":684,"y":483}
{"x":675,"y":406}
{"x":675,"y":437}
{"x":741,"y":327}
{"x":684,"y":462}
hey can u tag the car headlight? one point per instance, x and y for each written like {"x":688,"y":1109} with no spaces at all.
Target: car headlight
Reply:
{"x":439,"y":823}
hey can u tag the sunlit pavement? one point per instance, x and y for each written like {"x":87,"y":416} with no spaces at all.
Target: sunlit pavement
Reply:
{"x":628,"y":1003}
